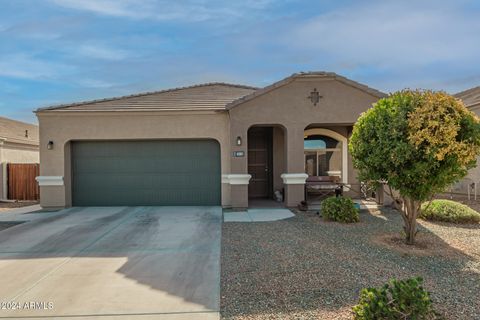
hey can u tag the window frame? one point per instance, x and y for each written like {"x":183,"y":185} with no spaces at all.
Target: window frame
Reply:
{"x":323,"y":150}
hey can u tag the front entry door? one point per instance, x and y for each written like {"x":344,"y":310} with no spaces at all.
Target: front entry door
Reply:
{"x":260,"y":162}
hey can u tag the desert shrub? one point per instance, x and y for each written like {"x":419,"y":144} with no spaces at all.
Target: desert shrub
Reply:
{"x":340,"y":209}
{"x":397,"y":299}
{"x":419,"y":142}
{"x":449,"y":211}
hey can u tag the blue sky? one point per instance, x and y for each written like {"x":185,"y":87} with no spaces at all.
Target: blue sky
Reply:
{"x":57,"y":51}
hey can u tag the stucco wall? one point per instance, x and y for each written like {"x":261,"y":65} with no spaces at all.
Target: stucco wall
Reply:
{"x":61,"y":128}
{"x":15,"y":153}
{"x":278,"y":157}
{"x":289,"y":107}
{"x":19,"y":153}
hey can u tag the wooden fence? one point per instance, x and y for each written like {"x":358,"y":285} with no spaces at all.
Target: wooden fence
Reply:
{"x":21,"y":181}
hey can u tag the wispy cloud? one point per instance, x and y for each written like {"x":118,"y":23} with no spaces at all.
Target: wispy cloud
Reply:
{"x":24,"y":66}
{"x":165,"y":10}
{"x":386,"y":44}
{"x":102,"y":52}
{"x":94,"y":83}
{"x":121,"y":8}
{"x":41,"y":29}
{"x":387,"y":33}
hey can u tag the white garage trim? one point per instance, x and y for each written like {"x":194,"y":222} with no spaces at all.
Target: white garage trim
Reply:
{"x":236,"y":179}
{"x":44,"y":181}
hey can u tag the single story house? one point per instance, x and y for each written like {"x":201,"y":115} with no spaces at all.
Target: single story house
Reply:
{"x":18,"y":144}
{"x":207,"y":144}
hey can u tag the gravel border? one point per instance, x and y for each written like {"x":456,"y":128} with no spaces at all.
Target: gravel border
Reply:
{"x":6,"y":206}
{"x":305,"y":268}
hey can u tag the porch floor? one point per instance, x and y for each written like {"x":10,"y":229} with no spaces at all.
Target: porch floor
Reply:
{"x":264,"y":203}
{"x":258,"y":215}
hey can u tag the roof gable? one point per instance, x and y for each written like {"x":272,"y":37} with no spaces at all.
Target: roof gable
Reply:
{"x":293,"y":77}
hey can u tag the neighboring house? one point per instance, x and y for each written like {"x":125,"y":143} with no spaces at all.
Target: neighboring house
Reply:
{"x":209,"y":144}
{"x":18,"y":144}
{"x":471,"y":99}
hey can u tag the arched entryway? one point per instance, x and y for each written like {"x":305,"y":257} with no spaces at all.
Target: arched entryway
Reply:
{"x":325,"y":153}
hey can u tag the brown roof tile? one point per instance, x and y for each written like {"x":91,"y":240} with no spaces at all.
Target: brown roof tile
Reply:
{"x":209,"y":96}
{"x":15,"y":131}
{"x":470,"y":97}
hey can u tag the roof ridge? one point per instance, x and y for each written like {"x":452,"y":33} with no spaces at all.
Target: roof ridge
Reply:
{"x":467,"y":91}
{"x":66,"y":105}
{"x":18,"y":121}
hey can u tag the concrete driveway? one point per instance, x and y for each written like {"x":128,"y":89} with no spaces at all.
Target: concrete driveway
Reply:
{"x":113,"y":263}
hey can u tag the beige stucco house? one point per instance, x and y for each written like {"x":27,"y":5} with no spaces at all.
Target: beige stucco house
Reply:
{"x":18,"y":144}
{"x":209,"y":144}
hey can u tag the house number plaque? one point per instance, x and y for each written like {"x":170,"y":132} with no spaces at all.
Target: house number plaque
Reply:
{"x":238,"y":154}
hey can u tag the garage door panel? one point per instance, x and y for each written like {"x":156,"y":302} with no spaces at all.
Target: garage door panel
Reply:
{"x":136,"y":165}
{"x":134,"y":181}
{"x":146,"y":173}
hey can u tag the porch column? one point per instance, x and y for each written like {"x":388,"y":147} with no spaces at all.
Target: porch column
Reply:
{"x":238,"y":189}
{"x":294,"y":177}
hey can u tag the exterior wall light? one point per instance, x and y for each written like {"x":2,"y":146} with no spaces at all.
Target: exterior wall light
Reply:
{"x":239,"y":141}
{"x":50,"y":145}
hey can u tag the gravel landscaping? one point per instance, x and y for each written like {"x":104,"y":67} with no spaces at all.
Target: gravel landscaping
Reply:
{"x":305,"y":268}
{"x":5,"y":206}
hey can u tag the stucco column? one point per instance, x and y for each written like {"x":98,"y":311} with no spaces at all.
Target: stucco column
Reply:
{"x":238,"y":188}
{"x":294,"y":178}
{"x":238,"y":178}
{"x":52,"y":172}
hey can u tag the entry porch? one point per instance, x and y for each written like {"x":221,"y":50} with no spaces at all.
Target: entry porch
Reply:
{"x":279,"y":160}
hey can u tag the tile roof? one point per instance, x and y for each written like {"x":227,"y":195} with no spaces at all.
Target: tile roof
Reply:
{"x":15,"y":131}
{"x":208,"y":96}
{"x":470,"y":97}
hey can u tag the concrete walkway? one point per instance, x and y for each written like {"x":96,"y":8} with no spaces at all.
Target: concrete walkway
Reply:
{"x":19,"y":214}
{"x":258,"y":215}
{"x":114,"y":263}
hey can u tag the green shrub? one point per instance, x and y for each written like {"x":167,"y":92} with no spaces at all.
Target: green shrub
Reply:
{"x":340,"y":209}
{"x":398,"y":299}
{"x":449,"y":211}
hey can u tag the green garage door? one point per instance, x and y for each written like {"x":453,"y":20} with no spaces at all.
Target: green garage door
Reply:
{"x":138,"y":173}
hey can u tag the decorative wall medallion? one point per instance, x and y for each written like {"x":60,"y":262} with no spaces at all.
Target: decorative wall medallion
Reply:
{"x":314,"y":97}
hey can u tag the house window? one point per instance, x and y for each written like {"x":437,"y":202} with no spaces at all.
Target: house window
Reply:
{"x":323,"y":156}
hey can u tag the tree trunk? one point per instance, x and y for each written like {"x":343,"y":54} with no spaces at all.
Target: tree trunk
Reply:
{"x":411,"y":211}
